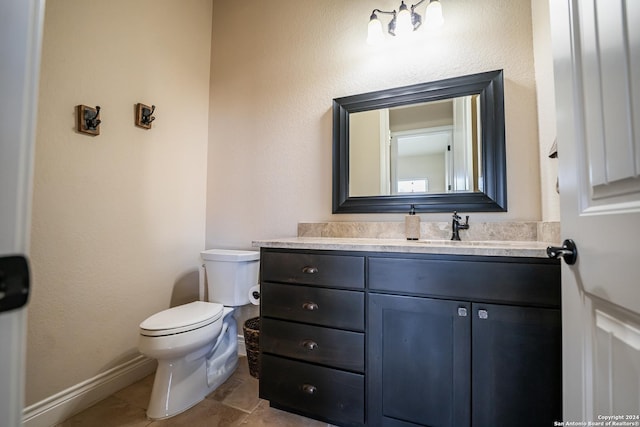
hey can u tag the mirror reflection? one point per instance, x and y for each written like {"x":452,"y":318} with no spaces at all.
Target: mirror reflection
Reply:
{"x":425,"y":148}
{"x":439,"y":146}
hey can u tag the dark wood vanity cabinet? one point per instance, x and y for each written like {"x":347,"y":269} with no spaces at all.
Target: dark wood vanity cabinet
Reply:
{"x":516,"y":369}
{"x":459,"y":341}
{"x":450,"y":340}
{"x":419,"y":359}
{"x":312,"y":338}
{"x":492,"y":365}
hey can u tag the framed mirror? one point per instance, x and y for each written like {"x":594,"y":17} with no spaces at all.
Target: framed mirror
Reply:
{"x":439,"y":146}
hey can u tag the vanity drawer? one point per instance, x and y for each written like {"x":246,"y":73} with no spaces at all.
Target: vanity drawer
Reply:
{"x":528,"y":283}
{"x":331,"y":347}
{"x":340,"y":271}
{"x":334,"y":395}
{"x":318,"y":306}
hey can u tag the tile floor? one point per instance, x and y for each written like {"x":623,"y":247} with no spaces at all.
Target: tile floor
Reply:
{"x":234,"y":403}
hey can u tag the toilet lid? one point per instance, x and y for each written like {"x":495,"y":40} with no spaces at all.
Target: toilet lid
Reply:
{"x":182,"y":318}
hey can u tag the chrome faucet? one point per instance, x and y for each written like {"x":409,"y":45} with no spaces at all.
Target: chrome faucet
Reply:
{"x":456,"y":225}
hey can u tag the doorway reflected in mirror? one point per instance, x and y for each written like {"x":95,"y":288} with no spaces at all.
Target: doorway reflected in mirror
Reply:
{"x":431,"y":147}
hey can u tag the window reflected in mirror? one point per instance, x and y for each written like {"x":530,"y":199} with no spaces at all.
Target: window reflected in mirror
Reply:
{"x":427,"y":148}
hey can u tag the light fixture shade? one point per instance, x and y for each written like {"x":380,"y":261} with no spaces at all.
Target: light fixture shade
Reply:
{"x":375,"y":33}
{"x":403,"y":21}
{"x":391,"y":28}
{"x":433,"y":16}
{"x":416,"y":20}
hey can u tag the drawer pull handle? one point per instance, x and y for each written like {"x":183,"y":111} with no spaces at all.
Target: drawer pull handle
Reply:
{"x":311,"y":306}
{"x":309,"y":389}
{"x":310,"y":345}
{"x":309,"y":270}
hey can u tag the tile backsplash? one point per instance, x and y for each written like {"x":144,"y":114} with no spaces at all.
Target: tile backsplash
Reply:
{"x":509,"y":231}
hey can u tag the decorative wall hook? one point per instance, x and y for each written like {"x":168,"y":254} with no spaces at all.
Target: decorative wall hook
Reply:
{"x":147,"y":118}
{"x":144,"y":115}
{"x":88,"y":120}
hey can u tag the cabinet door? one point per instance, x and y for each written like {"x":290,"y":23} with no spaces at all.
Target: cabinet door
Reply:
{"x":418,"y":361}
{"x":516,"y":368}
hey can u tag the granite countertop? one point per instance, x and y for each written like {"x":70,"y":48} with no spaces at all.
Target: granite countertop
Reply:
{"x":511,"y":248}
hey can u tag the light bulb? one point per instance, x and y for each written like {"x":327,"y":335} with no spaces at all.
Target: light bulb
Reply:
{"x":433,"y":15}
{"x":403,"y":23}
{"x":375,"y":34}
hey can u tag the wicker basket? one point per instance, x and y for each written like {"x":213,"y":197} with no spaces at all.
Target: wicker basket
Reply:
{"x":251,"y":331}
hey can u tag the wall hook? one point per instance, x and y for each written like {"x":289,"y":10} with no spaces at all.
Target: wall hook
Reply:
{"x":144,"y":115}
{"x":148,"y":118}
{"x":92,"y":122}
{"x":88,"y":120}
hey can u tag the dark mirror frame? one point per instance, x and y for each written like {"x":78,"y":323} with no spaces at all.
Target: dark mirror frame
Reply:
{"x":489,"y":85}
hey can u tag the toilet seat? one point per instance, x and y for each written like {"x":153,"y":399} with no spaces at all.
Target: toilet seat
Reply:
{"x":183,"y":318}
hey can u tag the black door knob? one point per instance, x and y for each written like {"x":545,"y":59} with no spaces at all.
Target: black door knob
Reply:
{"x":14,"y":282}
{"x":568,"y":251}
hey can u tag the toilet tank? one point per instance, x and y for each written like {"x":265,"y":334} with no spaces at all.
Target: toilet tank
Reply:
{"x":230,"y":275}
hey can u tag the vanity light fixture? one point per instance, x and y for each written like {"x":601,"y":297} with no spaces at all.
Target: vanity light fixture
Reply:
{"x":404,"y":21}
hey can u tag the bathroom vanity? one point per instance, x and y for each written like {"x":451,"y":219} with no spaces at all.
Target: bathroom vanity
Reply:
{"x":411,"y":334}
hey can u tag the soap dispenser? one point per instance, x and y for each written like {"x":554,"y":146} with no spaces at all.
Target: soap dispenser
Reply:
{"x":412,"y":225}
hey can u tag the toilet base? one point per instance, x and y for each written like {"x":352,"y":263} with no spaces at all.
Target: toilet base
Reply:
{"x":182,"y":383}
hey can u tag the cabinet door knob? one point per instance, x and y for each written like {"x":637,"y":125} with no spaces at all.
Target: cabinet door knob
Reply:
{"x":309,"y":270}
{"x":311,"y":306}
{"x":462,"y":312}
{"x":483,"y":314}
{"x":309,"y":389}
{"x":309,"y":345}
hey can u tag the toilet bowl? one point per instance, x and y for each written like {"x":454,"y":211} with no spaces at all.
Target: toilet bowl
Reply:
{"x":196,"y":344}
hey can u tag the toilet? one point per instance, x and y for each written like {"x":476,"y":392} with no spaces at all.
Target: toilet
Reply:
{"x":196,"y":344}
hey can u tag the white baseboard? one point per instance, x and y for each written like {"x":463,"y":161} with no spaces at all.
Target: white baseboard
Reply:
{"x":62,"y":405}
{"x":66,"y":403}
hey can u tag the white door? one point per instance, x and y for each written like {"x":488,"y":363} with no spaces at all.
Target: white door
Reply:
{"x":20,"y":34}
{"x":596,"y":48}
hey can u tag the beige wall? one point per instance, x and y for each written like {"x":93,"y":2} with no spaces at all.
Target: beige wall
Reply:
{"x":276,"y":69}
{"x":364,"y":149}
{"x":118,"y":219}
{"x":550,"y":199}
{"x":421,"y":116}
